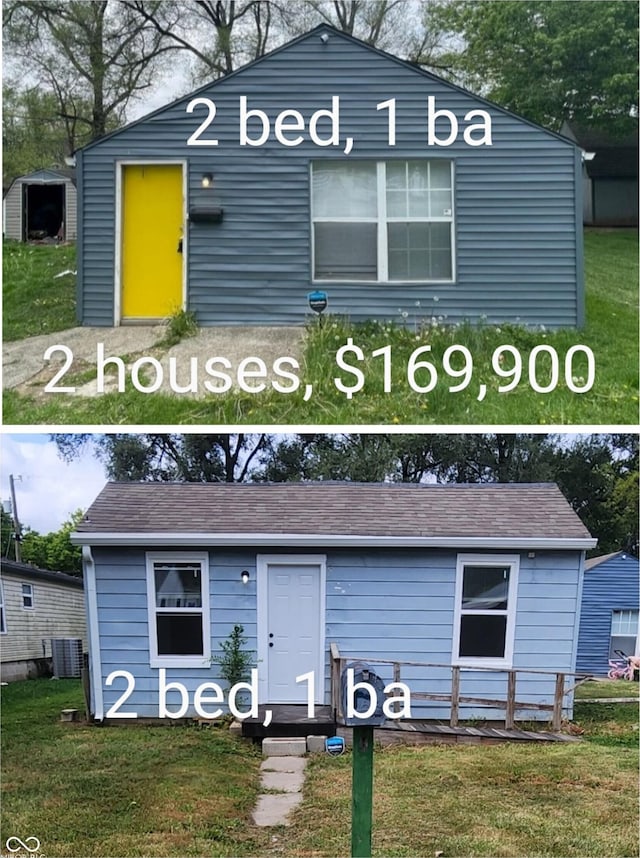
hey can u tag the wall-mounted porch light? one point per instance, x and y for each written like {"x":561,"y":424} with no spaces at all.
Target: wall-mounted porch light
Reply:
{"x":244,"y":576}
{"x":207,"y":180}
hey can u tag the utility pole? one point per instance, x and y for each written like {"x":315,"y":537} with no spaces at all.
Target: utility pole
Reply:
{"x":14,"y":513}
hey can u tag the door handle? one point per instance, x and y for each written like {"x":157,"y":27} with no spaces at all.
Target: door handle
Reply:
{"x":180,"y":245}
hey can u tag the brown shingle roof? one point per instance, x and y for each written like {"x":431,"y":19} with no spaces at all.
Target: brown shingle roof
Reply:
{"x":326,"y":508}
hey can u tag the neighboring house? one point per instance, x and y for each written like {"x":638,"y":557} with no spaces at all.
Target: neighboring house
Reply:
{"x":41,"y":205}
{"x":482,"y":576}
{"x":610,"y":176}
{"x":609,"y":616}
{"x":330,"y":165}
{"x":36,"y":607}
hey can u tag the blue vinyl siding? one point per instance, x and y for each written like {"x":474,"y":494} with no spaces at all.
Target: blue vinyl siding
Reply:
{"x":609,"y":586}
{"x":516,"y":237}
{"x":384,"y":604}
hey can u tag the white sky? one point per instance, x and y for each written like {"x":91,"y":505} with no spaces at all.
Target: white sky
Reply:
{"x":50,"y":489}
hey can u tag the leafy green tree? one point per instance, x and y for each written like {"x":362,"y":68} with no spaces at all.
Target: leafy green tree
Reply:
{"x":167,"y":457}
{"x":597,"y":473}
{"x":54,"y":550}
{"x":34,"y":133}
{"x":549,"y":61}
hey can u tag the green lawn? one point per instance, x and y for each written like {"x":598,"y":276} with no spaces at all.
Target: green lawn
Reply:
{"x":176,"y":790}
{"x":594,"y":689}
{"x":611,"y":333}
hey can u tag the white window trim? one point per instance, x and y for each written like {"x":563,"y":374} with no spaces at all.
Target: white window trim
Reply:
{"x":24,"y":595}
{"x":512,"y":560}
{"x":155,"y":660}
{"x":3,"y":625}
{"x":381,"y":220}
{"x":629,"y":634}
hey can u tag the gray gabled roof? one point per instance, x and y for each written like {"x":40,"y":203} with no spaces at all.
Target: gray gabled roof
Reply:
{"x":322,"y":509}
{"x":592,"y":562}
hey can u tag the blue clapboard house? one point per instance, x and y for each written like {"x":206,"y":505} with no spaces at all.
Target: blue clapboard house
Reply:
{"x":609,"y":615}
{"x":485,"y":578}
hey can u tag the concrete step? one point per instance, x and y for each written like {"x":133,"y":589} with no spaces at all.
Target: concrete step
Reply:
{"x":285,"y":746}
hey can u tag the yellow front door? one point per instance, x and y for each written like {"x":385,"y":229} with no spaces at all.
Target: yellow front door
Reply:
{"x":151,"y":241}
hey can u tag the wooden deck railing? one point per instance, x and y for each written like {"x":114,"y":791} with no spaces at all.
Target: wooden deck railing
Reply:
{"x":510,"y":704}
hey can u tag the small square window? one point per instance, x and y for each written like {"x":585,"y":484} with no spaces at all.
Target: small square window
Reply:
{"x":27,"y":596}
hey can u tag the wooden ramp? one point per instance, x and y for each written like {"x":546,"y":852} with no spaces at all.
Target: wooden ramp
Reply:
{"x":425,"y":732}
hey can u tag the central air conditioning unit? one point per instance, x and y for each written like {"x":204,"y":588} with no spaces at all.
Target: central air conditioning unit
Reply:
{"x":67,"y":657}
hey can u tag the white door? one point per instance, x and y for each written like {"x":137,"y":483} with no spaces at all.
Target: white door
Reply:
{"x":291,"y":596}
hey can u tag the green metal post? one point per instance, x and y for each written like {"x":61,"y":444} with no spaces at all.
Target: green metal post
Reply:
{"x":362,"y":792}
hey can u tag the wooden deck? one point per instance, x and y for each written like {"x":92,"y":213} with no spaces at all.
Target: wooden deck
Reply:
{"x":290,"y":719}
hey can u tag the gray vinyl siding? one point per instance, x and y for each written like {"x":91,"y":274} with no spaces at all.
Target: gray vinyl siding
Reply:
{"x":384,"y":604}
{"x":58,"y":612}
{"x":13,"y":212}
{"x":608,"y":587}
{"x":516,"y":245}
{"x":71,"y":209}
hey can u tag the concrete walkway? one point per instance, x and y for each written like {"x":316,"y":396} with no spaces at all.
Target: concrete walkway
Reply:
{"x":25,"y":370}
{"x":286,"y":775}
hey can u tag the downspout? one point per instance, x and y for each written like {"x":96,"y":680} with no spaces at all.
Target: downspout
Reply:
{"x":576,"y":629}
{"x":91,"y":598}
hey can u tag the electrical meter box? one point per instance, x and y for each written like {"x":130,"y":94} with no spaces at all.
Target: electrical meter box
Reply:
{"x":361,"y":691}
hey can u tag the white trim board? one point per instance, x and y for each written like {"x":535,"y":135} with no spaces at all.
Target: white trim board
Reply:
{"x":319,"y":540}
{"x":91,"y":597}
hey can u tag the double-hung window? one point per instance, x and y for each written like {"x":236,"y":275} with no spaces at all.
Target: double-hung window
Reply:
{"x":485,"y":609}
{"x":624,"y":632}
{"x":178,"y":603}
{"x":383,"y":221}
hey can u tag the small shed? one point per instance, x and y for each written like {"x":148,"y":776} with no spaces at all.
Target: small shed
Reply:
{"x":41,"y":205}
{"x":609,"y":615}
{"x":37,"y":606}
{"x":483,"y":579}
{"x":331,"y":165}
{"x":610,"y":175}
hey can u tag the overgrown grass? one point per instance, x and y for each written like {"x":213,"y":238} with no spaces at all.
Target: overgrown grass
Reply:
{"x":179,"y":327}
{"x":34,"y":300}
{"x":611,"y":333}
{"x":172,"y":791}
